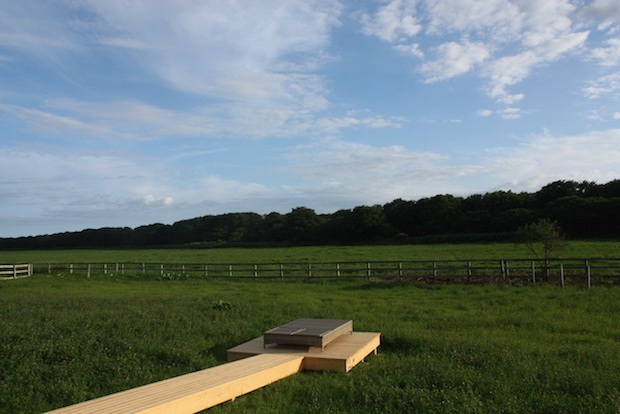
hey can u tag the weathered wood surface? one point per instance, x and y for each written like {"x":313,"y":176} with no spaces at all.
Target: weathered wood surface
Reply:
{"x":196,"y":391}
{"x":308,"y":332}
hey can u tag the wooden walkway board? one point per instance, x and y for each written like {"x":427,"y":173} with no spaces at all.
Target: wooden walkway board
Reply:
{"x":342,"y":354}
{"x":197,"y":391}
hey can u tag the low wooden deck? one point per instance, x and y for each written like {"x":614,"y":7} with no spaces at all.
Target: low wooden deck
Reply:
{"x":253,"y":365}
{"x":342,"y":354}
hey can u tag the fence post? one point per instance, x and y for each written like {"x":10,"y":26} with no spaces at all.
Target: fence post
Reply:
{"x":14,"y":271}
{"x":368,"y":270}
{"x":230,"y":270}
{"x":255,"y":272}
{"x":506,"y":266}
{"x":206,"y":271}
{"x":143,"y":268}
{"x":533,"y":272}
{"x":338,"y":269}
{"x":434,"y":269}
{"x":400,"y":270}
{"x":88,"y":271}
{"x":309,"y":270}
{"x":562,"y":274}
{"x":30,"y":269}
{"x":71,"y":268}
{"x":122,"y":268}
{"x":105,"y":268}
{"x":588,"y":275}
{"x":281,"y":271}
{"x":469,"y":268}
{"x":49,"y":268}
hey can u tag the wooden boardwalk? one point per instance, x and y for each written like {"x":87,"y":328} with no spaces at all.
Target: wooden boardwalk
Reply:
{"x":253,"y":365}
{"x":194,"y":392}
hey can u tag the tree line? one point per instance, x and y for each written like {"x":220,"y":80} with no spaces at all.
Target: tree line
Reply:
{"x":581,"y":209}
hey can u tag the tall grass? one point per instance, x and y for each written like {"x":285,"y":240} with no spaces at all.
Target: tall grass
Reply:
{"x":445,"y":348}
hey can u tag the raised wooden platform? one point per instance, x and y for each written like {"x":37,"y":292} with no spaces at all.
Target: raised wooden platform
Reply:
{"x":342,"y":354}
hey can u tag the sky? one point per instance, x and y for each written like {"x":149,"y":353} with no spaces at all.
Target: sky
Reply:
{"x":127,"y":113}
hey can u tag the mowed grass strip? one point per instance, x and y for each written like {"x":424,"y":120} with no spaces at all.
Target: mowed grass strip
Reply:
{"x":446,"y":348}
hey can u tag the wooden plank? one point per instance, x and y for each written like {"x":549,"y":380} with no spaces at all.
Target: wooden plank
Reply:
{"x":196,"y":391}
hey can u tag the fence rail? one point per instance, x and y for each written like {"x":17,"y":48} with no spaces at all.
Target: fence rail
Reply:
{"x":532,"y":270}
{"x":15,"y":271}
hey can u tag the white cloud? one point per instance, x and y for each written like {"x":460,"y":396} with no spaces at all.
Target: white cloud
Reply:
{"x":22,"y":27}
{"x":135,"y":120}
{"x":260,"y":56}
{"x":411,"y":49}
{"x":605,"y":11}
{"x":608,"y":55}
{"x":497,"y":20}
{"x":216,"y":188}
{"x":150,"y":199}
{"x":542,"y":159}
{"x":505,"y":113}
{"x":74,"y":180}
{"x":510,"y":113}
{"x":369,"y":174}
{"x":503,"y":41}
{"x":243,"y":45}
{"x":606,"y":85}
{"x":394,"y":21}
{"x":454,"y":59}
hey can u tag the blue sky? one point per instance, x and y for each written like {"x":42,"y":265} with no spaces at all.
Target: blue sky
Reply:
{"x":126,"y":113}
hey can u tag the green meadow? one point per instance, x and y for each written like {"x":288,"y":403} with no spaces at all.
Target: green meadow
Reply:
{"x":445,"y":348}
{"x":576,"y":249}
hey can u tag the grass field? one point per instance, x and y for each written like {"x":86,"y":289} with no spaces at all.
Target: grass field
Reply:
{"x":577,"y":249}
{"x":445,"y":348}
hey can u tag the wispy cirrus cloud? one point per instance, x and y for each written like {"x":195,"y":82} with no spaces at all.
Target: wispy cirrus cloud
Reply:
{"x":141,"y":121}
{"x":248,"y":62}
{"x":246,"y":50}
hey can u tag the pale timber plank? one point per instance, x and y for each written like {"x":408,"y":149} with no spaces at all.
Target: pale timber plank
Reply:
{"x":197,"y":391}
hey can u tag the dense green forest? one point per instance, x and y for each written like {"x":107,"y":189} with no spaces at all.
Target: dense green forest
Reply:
{"x":582,"y":209}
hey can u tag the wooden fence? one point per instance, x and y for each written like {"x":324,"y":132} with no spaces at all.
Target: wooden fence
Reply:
{"x":558,"y":270}
{"x":15,"y":271}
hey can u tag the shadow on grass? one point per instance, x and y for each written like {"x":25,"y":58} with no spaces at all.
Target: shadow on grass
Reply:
{"x":400,"y":344}
{"x":390,"y":285}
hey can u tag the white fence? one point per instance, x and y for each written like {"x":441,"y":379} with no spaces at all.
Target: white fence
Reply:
{"x":15,"y":271}
{"x":560,"y":270}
